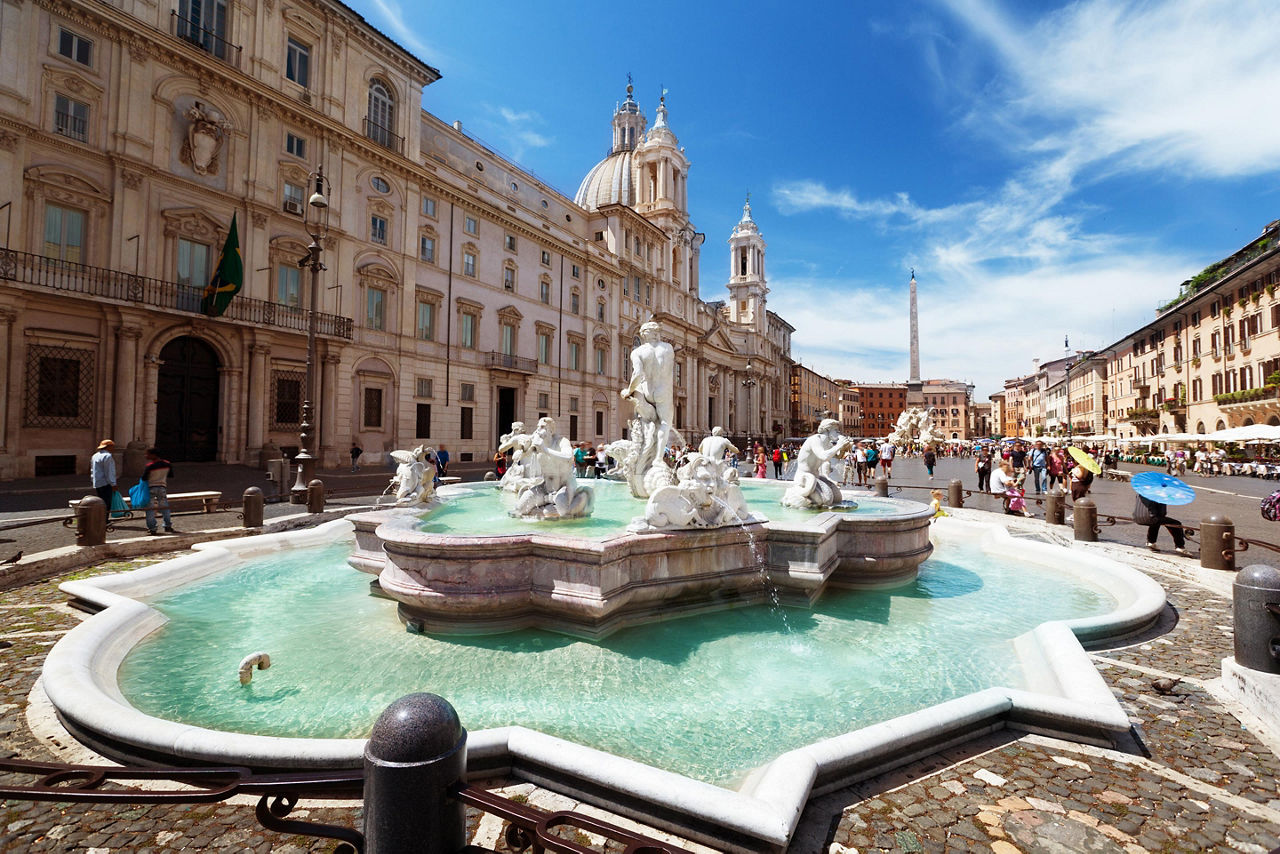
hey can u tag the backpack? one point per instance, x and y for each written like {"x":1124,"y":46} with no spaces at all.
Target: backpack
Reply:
{"x":1270,"y":507}
{"x":777,"y":455}
{"x":872,"y":455}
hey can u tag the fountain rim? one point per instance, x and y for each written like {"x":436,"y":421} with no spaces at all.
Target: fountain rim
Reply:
{"x":1069,"y":698}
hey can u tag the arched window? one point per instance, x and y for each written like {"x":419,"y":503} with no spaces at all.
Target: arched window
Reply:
{"x":382,"y":115}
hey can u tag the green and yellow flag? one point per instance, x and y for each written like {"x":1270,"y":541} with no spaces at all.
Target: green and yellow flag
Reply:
{"x":228,"y":276}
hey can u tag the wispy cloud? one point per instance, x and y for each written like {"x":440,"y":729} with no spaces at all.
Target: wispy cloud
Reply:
{"x":515,"y":132}
{"x":393,"y":19}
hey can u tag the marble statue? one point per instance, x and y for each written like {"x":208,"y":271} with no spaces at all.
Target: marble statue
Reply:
{"x":523,"y":462}
{"x":414,"y":480}
{"x":705,"y":495}
{"x":813,"y":486}
{"x":915,"y":425}
{"x":715,"y":445}
{"x":553,"y":491}
{"x":652,"y":393}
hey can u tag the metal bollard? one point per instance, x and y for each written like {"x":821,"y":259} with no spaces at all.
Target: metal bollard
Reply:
{"x":416,"y":753}
{"x":1256,"y":618}
{"x":91,"y":521}
{"x":1054,"y":512}
{"x":1086,"y":521}
{"x":315,"y":496}
{"x":253,"y":501}
{"x":1218,"y":543}
{"x":882,"y":487}
{"x":955,"y":493}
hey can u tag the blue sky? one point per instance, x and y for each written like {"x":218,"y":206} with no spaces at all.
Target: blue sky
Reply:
{"x":1048,"y":169}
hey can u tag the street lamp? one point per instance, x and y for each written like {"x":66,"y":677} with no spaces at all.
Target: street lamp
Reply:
{"x":316,"y":222}
{"x":748,"y":383}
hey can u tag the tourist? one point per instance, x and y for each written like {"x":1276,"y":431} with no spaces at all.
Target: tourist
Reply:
{"x":602,"y":462}
{"x":1001,"y":481}
{"x":1154,"y":515}
{"x":1202,"y":462}
{"x":982,"y":465}
{"x":579,"y":460}
{"x":356,"y":451}
{"x":873,"y":456}
{"x":860,"y":462}
{"x":499,"y":464}
{"x":936,"y":504}
{"x":887,"y":451}
{"x":761,"y":461}
{"x":1081,"y":480}
{"x":777,"y":463}
{"x":442,"y":463}
{"x":102,"y":471}
{"x":1018,"y":456}
{"x":156,"y":475}
{"x":930,"y":459}
{"x":588,"y":459}
{"x":1056,"y":467}
{"x":1037,"y":463}
{"x":850,"y":467}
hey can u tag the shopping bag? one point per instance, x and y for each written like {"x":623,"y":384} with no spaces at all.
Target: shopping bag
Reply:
{"x":140,"y":495}
{"x":118,"y":510}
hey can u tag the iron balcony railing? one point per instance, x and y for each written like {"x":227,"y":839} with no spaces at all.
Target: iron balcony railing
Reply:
{"x":522,"y":364}
{"x":28,"y":269}
{"x":207,"y":40}
{"x":71,"y":125}
{"x":383,"y":136}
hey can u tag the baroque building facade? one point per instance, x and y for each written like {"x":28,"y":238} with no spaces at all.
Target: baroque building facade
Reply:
{"x":460,"y":293}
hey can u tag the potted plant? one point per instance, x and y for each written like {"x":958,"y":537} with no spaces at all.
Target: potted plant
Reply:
{"x":1195,"y":361}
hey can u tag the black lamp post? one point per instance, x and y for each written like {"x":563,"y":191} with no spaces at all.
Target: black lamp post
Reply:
{"x":316,"y":222}
{"x":748,"y":383}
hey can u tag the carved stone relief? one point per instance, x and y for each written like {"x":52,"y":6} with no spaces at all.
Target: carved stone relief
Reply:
{"x":206,"y":132}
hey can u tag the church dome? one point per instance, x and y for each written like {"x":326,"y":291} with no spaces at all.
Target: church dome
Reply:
{"x":611,"y":181}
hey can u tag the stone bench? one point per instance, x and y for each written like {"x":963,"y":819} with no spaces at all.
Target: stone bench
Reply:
{"x":208,"y":498}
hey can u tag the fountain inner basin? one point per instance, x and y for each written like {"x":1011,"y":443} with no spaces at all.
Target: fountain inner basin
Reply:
{"x":590,"y":579}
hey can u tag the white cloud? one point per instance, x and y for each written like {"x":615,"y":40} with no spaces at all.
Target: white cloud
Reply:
{"x":392,"y":18}
{"x":513,"y":131}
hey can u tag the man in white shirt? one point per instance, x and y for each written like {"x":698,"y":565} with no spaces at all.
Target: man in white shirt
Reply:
{"x":887,"y":450}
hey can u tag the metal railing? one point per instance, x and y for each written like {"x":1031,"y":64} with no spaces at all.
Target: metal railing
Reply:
{"x":29,"y":269}
{"x":207,"y":40}
{"x":384,"y":136}
{"x":523,"y":364}
{"x":71,"y":126}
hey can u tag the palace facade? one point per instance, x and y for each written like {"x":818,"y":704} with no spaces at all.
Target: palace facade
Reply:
{"x":460,"y":292}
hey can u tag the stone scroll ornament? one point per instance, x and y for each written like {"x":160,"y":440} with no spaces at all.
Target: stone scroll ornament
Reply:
{"x":206,"y":133}
{"x":813,"y":486}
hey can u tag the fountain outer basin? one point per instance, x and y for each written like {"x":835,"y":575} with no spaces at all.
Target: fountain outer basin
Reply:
{"x":453,"y":584}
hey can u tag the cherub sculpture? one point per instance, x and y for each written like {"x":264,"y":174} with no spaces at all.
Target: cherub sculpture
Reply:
{"x":413,"y":481}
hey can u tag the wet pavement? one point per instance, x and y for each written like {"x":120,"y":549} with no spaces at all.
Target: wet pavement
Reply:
{"x":1200,"y":774}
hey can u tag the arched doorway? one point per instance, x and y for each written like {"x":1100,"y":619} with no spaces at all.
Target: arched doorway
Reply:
{"x":187,"y":401}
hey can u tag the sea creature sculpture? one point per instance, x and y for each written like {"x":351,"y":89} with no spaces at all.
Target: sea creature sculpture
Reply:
{"x":553,"y":492}
{"x":706,"y":494}
{"x":413,"y":480}
{"x":813,"y":486}
{"x":259,"y":660}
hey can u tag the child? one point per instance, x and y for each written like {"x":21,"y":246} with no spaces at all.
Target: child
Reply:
{"x":1017,"y":498}
{"x":936,"y":504}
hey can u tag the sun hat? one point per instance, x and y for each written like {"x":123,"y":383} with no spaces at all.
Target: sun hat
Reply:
{"x":105,"y":443}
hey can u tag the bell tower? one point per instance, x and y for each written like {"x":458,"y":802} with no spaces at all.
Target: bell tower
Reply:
{"x":747,"y":287}
{"x":663,"y":170}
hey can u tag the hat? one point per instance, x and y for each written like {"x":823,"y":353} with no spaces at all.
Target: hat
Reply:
{"x":105,"y":443}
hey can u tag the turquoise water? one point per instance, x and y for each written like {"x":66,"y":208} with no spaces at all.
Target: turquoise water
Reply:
{"x":480,"y":512}
{"x":708,"y":696}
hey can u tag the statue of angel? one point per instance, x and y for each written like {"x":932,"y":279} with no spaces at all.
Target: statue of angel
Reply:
{"x":413,"y":481}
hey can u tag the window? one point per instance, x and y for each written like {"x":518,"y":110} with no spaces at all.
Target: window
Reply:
{"x":544,"y":400}
{"x":573,"y":303}
{"x":471,"y":225}
{"x":375,"y":308}
{"x":293,"y":198}
{"x":295,"y":145}
{"x":546,"y":258}
{"x":288,"y":285}
{"x":508,"y":278}
{"x":601,"y":360}
{"x":468,"y":331}
{"x":372,"y":408}
{"x":428,"y":206}
{"x":75,"y":47}
{"x":637,"y":246}
{"x":380,"y":184}
{"x":509,"y":243}
{"x":467,"y":391}
{"x":626,"y":286}
{"x":382,"y":115}
{"x":426,"y":327}
{"x":204,"y":24}
{"x":575,"y":356}
{"x":544,"y":292}
{"x":466,"y":427}
{"x":378,"y":230}
{"x":71,"y":118}
{"x":600,"y":311}
{"x":544,"y":350}
{"x":574,"y":271}
{"x":599,"y":423}
{"x":426,"y":387}
{"x":64,"y":234}
{"x":427,"y":248}
{"x":573,"y":404}
{"x":286,"y":408}
{"x":469,"y":264}
{"x":297,"y":63}
{"x":648,"y":294}
{"x":424,"y":420}
{"x":508,"y":339}
{"x":60,"y":384}
{"x":193,"y":263}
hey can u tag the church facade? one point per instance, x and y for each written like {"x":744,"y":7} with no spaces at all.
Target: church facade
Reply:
{"x":460,"y":293}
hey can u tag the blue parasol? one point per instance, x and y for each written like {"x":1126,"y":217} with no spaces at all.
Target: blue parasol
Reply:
{"x":1162,"y":488}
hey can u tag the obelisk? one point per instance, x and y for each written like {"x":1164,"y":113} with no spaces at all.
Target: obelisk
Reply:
{"x":915,"y":388}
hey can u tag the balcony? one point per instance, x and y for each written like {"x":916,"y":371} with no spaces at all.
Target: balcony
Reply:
{"x":383,"y":136}
{"x":51,"y":274}
{"x":207,"y":40}
{"x":1250,"y":400}
{"x":506,"y":362}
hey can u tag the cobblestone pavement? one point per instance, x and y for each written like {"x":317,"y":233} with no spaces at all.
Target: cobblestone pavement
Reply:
{"x":1209,"y":783}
